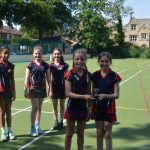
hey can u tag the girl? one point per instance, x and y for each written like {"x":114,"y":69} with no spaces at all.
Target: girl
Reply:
{"x":7,"y":93}
{"x":35,"y":87}
{"x":58,"y":67}
{"x":106,"y":90}
{"x":77,"y":86}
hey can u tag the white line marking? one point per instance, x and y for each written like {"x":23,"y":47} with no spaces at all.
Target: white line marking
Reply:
{"x":46,"y":112}
{"x":130,"y":77}
{"x":34,"y":140}
{"x":140,"y":109}
{"x":142,"y":63}
{"x":21,"y":110}
{"x":122,"y":71}
{"x":19,"y":79}
{"x":25,"y":109}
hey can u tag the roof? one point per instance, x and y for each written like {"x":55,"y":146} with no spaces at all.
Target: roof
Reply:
{"x":9,"y":30}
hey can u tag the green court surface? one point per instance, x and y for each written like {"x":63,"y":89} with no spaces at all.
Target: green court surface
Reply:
{"x":131,"y":132}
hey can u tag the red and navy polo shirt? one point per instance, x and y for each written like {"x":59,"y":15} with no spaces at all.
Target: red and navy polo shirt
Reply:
{"x":58,"y":74}
{"x":105,"y":85}
{"x":37,"y":74}
{"x":6,"y":71}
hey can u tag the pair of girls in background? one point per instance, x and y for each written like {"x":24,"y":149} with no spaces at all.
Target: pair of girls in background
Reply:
{"x":105,"y":89}
{"x":37,"y":72}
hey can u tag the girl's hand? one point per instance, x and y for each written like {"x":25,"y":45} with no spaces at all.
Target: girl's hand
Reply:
{"x":102,"y":96}
{"x":14,"y":96}
{"x":26,"y":93}
{"x":88,"y":97}
{"x":50,"y":94}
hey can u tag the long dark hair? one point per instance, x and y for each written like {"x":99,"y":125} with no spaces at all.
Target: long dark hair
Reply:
{"x":61,"y":58}
{"x":4,"y":48}
{"x":105,"y":53}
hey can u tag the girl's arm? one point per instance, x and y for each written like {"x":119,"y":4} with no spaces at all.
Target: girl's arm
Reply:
{"x":51,"y":87}
{"x":13,"y":85}
{"x":73,"y":95}
{"x":26,"y":83}
{"x":48,"y":77}
{"x":115,"y":95}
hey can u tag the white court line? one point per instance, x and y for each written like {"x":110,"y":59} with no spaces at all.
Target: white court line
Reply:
{"x":131,"y":77}
{"x":19,"y":79}
{"x":139,"y":109}
{"x":122,"y":71}
{"x":25,"y":109}
{"x":21,"y":110}
{"x":26,"y":99}
{"x":46,"y":112}
{"x":142,"y":63}
{"x":34,"y":140}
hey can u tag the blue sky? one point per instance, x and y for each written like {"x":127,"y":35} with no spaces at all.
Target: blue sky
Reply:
{"x":141,"y":9}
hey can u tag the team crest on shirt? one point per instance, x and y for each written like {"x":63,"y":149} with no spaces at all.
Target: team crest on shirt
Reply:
{"x":60,"y":67}
{"x":76,"y":77}
{"x":9,"y":70}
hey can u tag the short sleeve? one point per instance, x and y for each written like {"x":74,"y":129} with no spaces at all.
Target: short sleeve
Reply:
{"x":117,"y":78}
{"x":29,"y":66}
{"x":12,"y":66}
{"x":47,"y":66}
{"x":68,"y":76}
{"x":66,"y":66}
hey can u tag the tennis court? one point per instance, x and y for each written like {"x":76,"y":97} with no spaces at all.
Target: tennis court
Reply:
{"x":131,"y":132}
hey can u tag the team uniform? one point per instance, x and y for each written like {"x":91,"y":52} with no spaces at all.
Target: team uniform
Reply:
{"x":77,"y":108}
{"x":105,"y":110}
{"x":58,"y":82}
{"x":6,"y":73}
{"x":37,"y":83}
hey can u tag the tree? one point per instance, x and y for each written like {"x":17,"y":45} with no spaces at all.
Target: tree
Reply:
{"x":45,"y":16}
{"x":117,"y":12}
{"x":92,"y":30}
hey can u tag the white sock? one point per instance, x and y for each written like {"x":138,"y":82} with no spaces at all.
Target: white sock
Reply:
{"x":9,"y":129}
{"x":3,"y":130}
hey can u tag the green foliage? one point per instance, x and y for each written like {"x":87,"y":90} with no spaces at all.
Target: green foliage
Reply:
{"x":135,"y":51}
{"x":92,"y":29}
{"x":146,"y":53}
{"x":44,"y":16}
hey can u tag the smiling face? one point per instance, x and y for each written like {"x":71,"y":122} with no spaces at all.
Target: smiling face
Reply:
{"x":37,"y":54}
{"x":5,"y":55}
{"x":79,"y":60}
{"x":104,"y":62}
{"x":57,"y":55}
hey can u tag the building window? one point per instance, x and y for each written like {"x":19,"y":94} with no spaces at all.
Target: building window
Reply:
{"x":133,"y":27}
{"x":133,"y":38}
{"x":144,"y":36}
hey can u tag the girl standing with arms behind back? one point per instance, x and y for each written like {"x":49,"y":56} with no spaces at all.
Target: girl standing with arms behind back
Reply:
{"x":58,"y":68}
{"x":37,"y":72}
{"x":106,"y":90}
{"x":7,"y":93}
{"x":77,"y":84}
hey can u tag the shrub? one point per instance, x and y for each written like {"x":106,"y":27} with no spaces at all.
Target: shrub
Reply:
{"x":135,"y":52}
{"x":146,"y":53}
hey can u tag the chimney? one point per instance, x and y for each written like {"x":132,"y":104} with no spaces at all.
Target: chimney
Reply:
{"x":131,"y":15}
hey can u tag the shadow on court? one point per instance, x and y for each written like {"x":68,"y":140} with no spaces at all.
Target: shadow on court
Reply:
{"x":55,"y":140}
